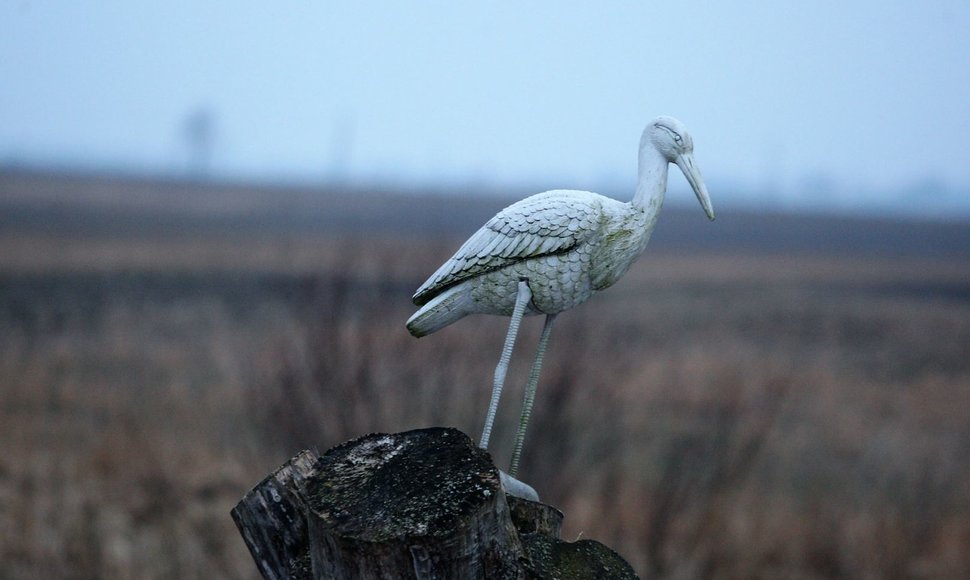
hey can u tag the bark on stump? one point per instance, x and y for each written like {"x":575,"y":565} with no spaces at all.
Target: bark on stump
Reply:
{"x":419,"y":504}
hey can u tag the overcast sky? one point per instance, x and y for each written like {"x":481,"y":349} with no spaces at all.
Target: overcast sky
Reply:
{"x":861,"y":95}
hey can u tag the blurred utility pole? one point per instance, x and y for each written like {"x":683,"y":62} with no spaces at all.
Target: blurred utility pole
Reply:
{"x":199,"y":131}
{"x":342,"y":148}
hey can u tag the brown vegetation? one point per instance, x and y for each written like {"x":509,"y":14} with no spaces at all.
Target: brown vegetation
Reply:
{"x":716,"y":414}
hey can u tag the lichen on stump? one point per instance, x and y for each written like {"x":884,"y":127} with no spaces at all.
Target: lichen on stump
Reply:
{"x":428,"y":498}
{"x":548,"y":557}
{"x":420,"y":504}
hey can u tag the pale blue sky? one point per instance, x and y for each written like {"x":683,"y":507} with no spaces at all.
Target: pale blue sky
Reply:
{"x":865,"y":95}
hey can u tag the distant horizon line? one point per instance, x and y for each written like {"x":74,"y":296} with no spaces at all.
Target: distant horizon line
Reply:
{"x":897,"y":203}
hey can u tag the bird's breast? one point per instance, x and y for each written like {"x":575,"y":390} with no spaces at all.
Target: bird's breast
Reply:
{"x":619,"y":245}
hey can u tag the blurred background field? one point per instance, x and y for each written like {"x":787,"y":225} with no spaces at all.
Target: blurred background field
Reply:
{"x":765,"y":396}
{"x":213,"y":216}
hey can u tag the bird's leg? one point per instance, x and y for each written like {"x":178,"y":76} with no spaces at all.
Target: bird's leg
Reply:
{"x":521,"y":299}
{"x":530,"y":394}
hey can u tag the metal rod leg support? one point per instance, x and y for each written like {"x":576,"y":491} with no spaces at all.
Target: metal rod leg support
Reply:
{"x":530,"y":394}
{"x":521,"y":300}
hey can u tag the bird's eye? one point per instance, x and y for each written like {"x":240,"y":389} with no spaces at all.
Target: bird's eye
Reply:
{"x":673,"y":135}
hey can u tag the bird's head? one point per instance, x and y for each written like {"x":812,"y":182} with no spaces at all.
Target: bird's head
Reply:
{"x":671,"y":139}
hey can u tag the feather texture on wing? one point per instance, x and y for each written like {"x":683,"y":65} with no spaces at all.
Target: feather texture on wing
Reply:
{"x":546,"y":223}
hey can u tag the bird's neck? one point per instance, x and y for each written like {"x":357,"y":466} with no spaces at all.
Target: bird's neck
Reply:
{"x":652,"y":179}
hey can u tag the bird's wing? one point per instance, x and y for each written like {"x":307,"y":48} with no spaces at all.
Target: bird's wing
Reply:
{"x":545,"y":223}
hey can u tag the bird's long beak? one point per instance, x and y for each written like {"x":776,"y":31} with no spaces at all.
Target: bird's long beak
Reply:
{"x":693,"y":174}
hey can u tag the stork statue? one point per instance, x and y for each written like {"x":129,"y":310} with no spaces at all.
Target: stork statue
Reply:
{"x":550,"y":252}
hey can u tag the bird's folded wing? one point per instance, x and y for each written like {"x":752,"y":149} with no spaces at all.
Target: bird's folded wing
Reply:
{"x":546,"y":223}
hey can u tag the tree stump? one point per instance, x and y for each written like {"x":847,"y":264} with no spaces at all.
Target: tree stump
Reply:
{"x":420,"y":504}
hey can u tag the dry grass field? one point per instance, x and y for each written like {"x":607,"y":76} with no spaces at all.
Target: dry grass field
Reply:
{"x":762,"y":397}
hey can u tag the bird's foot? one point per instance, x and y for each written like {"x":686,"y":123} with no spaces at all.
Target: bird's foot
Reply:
{"x":516,"y":488}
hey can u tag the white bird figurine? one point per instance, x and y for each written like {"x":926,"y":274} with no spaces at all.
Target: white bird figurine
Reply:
{"x":551,"y":252}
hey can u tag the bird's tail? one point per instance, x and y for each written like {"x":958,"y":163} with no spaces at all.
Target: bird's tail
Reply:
{"x":445,"y":308}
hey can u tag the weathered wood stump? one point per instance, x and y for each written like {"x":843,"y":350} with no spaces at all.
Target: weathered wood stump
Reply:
{"x":420,"y":504}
